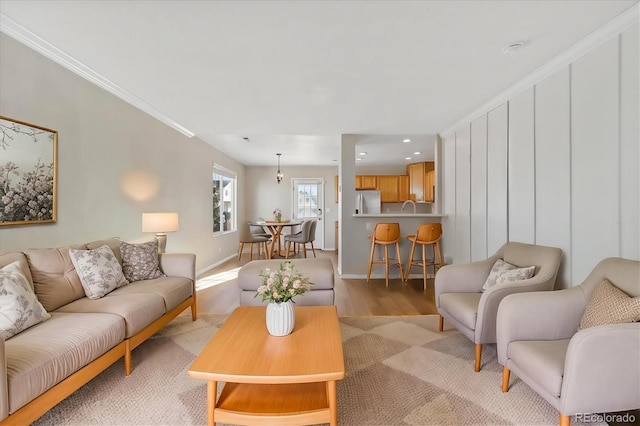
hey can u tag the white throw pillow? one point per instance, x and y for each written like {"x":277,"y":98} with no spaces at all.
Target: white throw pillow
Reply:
{"x":504,"y":272}
{"x":99,"y":271}
{"x":19,"y":306}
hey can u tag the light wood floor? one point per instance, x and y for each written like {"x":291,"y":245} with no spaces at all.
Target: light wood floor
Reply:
{"x":218,"y":292}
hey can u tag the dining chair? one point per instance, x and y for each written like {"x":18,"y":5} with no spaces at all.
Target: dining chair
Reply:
{"x":301,"y":237}
{"x":250,"y":234}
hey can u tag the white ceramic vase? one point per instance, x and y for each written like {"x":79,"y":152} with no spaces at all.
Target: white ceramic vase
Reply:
{"x":281,"y":317}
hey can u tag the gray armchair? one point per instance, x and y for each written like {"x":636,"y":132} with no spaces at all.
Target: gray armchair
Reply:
{"x":594,"y":370}
{"x":461,"y":301}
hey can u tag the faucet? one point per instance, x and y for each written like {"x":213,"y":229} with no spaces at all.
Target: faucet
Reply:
{"x":405,"y":203}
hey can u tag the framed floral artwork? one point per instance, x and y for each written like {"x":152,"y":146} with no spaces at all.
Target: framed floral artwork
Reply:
{"x":28,"y":169}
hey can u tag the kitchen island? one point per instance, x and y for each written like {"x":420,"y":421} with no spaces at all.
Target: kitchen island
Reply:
{"x":360,"y":228}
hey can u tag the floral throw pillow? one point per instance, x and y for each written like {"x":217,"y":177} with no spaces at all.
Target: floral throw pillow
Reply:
{"x":504,"y":272}
{"x":140,"y":261}
{"x":19,"y":306}
{"x":99,"y":271}
{"x":609,"y":305}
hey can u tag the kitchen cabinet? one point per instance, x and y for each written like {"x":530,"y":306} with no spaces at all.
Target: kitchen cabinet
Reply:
{"x":393,"y":189}
{"x":421,"y":181}
{"x":430,"y":182}
{"x":335,"y":185}
{"x":366,"y":182}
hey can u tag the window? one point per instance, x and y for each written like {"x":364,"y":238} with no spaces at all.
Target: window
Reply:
{"x":224,"y":200}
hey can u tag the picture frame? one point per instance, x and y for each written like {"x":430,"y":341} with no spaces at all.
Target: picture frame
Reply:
{"x":28,"y":173}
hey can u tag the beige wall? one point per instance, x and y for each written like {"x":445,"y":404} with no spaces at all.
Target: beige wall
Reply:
{"x":107,"y":147}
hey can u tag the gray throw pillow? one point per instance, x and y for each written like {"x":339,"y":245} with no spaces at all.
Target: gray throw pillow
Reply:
{"x":99,"y":271}
{"x":504,"y":272}
{"x":140,"y":261}
{"x":19,"y":307}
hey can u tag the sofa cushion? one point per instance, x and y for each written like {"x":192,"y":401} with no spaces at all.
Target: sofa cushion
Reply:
{"x":609,"y":305}
{"x":99,"y":271}
{"x":19,"y":307}
{"x":42,"y":356}
{"x":174,"y":290}
{"x":140,"y":261}
{"x":55,"y":279}
{"x":137,"y":310}
{"x":504,"y":272}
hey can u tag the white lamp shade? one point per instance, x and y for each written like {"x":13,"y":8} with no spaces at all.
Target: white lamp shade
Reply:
{"x":160,"y":222}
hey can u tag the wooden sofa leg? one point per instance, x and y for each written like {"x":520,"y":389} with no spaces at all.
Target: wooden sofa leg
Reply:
{"x":127,"y":357}
{"x":565,"y":420}
{"x":441,"y":323}
{"x":478,"y":356}
{"x":194,"y":311}
{"x":505,"y":379}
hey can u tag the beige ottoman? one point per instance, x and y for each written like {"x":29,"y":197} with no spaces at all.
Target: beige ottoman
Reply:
{"x":319,"y":271}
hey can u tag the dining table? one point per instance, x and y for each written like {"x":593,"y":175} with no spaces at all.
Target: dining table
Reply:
{"x":275,"y":229}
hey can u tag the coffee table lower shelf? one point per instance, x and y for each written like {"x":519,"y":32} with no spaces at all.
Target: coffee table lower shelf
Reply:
{"x":275,"y":404}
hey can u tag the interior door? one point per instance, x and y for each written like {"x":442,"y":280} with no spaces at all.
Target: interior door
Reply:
{"x":308,"y":202}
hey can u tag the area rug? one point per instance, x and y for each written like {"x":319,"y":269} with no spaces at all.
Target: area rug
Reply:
{"x":399,"y":371}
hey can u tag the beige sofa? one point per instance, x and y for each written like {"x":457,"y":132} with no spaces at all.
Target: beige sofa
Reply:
{"x":45,"y":363}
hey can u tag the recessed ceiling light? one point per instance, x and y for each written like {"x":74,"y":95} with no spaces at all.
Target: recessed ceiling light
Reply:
{"x":406,"y":140}
{"x":513,"y":48}
{"x":417,"y":153}
{"x":358,"y":159}
{"x":407,"y":158}
{"x":363,"y":153}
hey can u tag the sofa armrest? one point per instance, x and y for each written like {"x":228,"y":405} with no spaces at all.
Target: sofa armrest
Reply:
{"x":542,"y":315}
{"x":4,"y":383}
{"x":462,"y":278}
{"x":179,"y":265}
{"x":602,"y":370}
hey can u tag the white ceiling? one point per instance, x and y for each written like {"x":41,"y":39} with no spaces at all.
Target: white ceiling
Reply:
{"x":292,"y":76}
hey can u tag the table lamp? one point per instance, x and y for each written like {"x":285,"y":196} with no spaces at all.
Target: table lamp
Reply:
{"x":160,"y":223}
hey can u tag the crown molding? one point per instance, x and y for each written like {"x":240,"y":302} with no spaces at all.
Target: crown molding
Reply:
{"x":611,"y":29}
{"x":14,"y":30}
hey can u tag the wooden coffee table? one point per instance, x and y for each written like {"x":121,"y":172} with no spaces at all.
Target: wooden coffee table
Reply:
{"x":273,"y":380}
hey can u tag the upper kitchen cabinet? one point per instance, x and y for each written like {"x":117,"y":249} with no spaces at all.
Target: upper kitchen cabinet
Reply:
{"x":366,"y":182}
{"x":393,"y":189}
{"x":421,"y":181}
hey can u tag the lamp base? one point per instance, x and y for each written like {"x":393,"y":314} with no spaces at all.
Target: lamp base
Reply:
{"x":162,"y":241}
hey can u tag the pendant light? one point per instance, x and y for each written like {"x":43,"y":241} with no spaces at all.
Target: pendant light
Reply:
{"x":279,"y":175}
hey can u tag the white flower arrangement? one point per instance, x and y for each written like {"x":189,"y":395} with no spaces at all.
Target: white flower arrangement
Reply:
{"x":282,"y":285}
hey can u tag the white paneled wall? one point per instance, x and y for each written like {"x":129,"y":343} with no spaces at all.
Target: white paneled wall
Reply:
{"x":557,"y":165}
{"x":479,"y":189}
{"x":629,"y":146}
{"x":553,"y":174}
{"x":595,"y":152}
{"x":497,"y":218}
{"x":463,"y":195}
{"x":521,"y":155}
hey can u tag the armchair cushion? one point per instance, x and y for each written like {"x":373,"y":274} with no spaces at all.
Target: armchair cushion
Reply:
{"x":504,"y":272}
{"x":465,"y":304}
{"x":542,"y":361}
{"x":610,"y":305}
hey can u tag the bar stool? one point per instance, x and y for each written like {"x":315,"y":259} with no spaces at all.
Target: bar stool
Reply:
{"x":385,"y":234}
{"x":428,"y":234}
